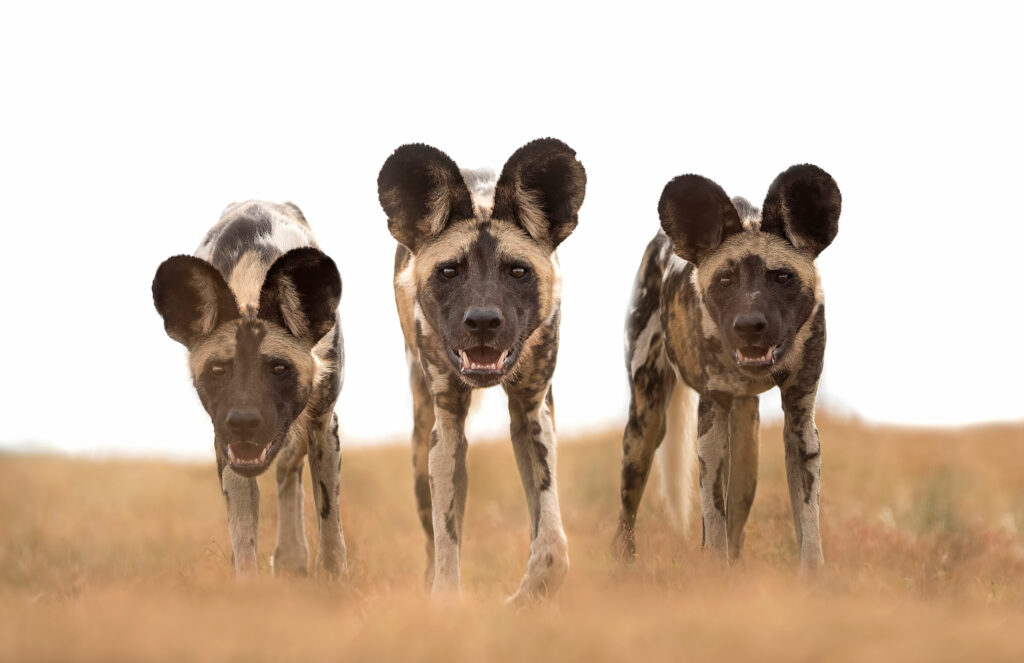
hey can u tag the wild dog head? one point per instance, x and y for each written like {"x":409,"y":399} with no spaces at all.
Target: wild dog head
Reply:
{"x":483,"y":274}
{"x":756,"y":277}
{"x":254,"y":370}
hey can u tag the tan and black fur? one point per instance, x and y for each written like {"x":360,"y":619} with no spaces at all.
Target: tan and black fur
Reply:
{"x":478,"y":290}
{"x":728,"y":304}
{"x":257,"y":309}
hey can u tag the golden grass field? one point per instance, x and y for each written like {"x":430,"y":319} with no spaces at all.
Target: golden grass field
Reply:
{"x":130,"y":561}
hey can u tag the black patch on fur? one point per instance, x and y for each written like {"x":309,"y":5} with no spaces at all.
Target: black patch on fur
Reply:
{"x":803,"y":206}
{"x":325,"y":501}
{"x":240,"y":236}
{"x":697,"y":216}
{"x":705,"y":416}
{"x":808,"y":475}
{"x":541,"y":454}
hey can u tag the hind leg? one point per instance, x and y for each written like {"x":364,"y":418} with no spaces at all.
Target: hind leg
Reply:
{"x":651,"y":388}
{"x":423,"y":422}
{"x":291,"y":554}
{"x":744,"y":421}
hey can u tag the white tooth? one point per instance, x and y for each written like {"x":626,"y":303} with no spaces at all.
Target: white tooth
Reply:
{"x":263,"y":455}
{"x":464,"y":357}
{"x":231,"y":455}
{"x":502,"y":358}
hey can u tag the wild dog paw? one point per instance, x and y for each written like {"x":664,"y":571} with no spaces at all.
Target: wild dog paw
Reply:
{"x":545,"y":572}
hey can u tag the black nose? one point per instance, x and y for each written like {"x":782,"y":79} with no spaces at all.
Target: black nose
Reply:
{"x":483,"y":319}
{"x":244,"y":423}
{"x":750,"y":323}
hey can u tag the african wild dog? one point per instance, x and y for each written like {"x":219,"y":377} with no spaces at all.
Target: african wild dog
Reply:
{"x":257,"y":309}
{"x":478,"y":290}
{"x":728,"y":304}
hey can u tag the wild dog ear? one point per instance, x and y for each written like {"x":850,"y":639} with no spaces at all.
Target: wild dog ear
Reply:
{"x":541,"y":187}
{"x":421,"y":191}
{"x":803,"y":206}
{"x":192,"y":297}
{"x":301,"y":293}
{"x":697,"y":216}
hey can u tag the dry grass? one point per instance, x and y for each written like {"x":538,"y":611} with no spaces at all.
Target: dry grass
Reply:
{"x":130,"y":561}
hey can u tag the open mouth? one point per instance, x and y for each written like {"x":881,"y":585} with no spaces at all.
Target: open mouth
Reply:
{"x":753,"y":356}
{"x":246,"y":454}
{"x":483,"y":360}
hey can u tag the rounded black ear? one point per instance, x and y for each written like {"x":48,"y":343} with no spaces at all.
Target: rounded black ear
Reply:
{"x":301,"y":293}
{"x":421,"y":191}
{"x":192,"y":297}
{"x":697,"y":216}
{"x":803,"y":206}
{"x":541,"y":187}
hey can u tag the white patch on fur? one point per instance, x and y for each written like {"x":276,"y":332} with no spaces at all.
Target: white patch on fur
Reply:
{"x":286,"y":235}
{"x":643,"y":345}
{"x":481,"y":183}
{"x":406,"y":279}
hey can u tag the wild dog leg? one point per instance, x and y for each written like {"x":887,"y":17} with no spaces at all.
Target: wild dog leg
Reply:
{"x":423,"y":423}
{"x":291,"y":554}
{"x":325,"y":472}
{"x":713,"y":457}
{"x":534,"y":441}
{"x":803,"y":450}
{"x":744,"y":421}
{"x":651,"y":389}
{"x":448,"y":482}
{"x":243,"y":501}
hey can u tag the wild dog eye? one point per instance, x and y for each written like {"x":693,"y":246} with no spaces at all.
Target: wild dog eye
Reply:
{"x":278,"y":369}
{"x":218,"y":370}
{"x":725,"y":281}
{"x":782,"y":277}
{"x":517,"y":272}
{"x":449,"y":271}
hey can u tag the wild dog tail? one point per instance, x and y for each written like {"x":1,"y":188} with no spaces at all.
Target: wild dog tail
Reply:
{"x":677,"y":457}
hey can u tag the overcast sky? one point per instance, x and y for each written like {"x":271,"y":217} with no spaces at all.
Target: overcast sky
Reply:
{"x":126,"y":129}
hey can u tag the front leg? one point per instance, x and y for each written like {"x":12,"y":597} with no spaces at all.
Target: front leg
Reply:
{"x":449,"y":481}
{"x":291,"y":554}
{"x":713,"y":456}
{"x":325,"y":471}
{"x":534,"y":441}
{"x":803,"y":450}
{"x":243,"y":501}
{"x":803,"y":472}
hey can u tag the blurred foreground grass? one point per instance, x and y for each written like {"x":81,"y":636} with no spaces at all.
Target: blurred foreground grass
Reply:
{"x":130,"y":560}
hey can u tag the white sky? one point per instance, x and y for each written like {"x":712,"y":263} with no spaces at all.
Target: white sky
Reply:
{"x":125,"y":129}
